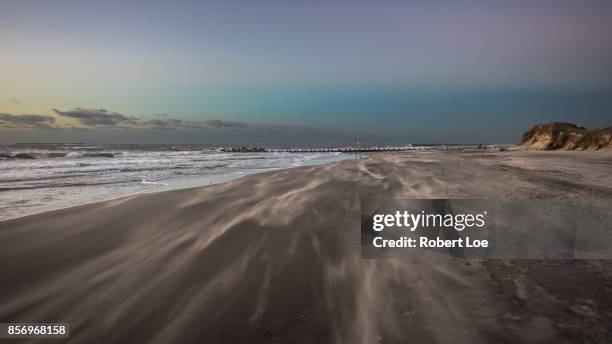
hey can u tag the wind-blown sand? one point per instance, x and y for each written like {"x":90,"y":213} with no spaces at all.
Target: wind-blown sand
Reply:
{"x":275,"y":258}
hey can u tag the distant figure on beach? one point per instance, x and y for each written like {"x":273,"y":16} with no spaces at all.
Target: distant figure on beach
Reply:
{"x":480,"y":145}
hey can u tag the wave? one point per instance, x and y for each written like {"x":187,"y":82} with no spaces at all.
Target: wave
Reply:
{"x":65,"y":185}
{"x":77,"y":172}
{"x":153,"y":182}
{"x":50,"y":155}
{"x":91,"y":155}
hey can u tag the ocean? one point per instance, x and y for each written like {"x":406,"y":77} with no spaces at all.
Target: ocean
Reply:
{"x":35,"y":178}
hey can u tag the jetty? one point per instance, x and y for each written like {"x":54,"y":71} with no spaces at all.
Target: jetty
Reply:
{"x":359,"y":149}
{"x":348,"y":149}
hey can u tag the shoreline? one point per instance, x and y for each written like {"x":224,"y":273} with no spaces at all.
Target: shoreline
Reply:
{"x":154,"y":191}
{"x":193,"y":181}
{"x":469,"y":151}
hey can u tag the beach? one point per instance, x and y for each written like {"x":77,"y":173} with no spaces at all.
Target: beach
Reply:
{"x":275,"y":257}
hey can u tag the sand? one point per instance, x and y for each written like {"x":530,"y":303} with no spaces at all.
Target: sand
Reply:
{"x":274,"y":258}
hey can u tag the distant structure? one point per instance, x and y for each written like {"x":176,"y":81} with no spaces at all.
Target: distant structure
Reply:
{"x":353,"y":149}
{"x":243,"y":149}
{"x":358,"y":147}
{"x":357,"y":144}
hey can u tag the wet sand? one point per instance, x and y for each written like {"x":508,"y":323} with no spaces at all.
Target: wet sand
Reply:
{"x":275,"y":258}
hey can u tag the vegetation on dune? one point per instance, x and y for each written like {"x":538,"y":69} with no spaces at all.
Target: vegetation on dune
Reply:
{"x":560,"y":135}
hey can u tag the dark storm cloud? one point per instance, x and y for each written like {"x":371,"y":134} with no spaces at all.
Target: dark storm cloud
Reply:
{"x":26,"y":121}
{"x":96,"y":117}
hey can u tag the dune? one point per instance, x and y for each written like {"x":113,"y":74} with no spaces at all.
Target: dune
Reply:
{"x":275,"y":258}
{"x":567,"y":136}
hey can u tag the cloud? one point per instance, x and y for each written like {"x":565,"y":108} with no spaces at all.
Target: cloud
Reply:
{"x":97,"y":117}
{"x":170,"y":124}
{"x":26,"y":121}
{"x":98,"y":120}
{"x":217,"y":123}
{"x":102,"y":117}
{"x":185,"y":124}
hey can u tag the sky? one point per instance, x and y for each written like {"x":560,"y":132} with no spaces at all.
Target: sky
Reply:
{"x":301,"y":71}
